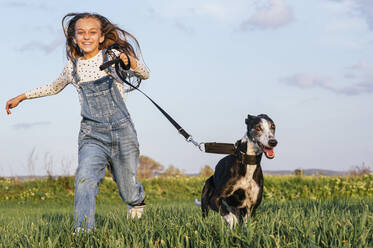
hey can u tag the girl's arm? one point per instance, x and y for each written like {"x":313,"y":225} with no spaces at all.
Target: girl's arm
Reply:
{"x":46,"y":90}
{"x":55,"y":87}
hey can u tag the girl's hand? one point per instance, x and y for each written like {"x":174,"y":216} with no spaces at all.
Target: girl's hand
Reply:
{"x":133,"y":61}
{"x":12,"y":103}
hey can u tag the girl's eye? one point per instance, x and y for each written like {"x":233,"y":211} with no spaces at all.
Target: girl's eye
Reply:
{"x":258,"y":128}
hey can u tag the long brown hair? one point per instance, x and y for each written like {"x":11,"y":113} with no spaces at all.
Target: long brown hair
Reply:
{"x":112,"y":33}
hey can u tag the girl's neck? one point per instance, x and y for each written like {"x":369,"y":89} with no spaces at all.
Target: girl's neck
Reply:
{"x":89,"y":55}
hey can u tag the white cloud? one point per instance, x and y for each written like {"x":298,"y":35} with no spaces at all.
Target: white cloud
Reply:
{"x":47,"y":48}
{"x":366,"y":9}
{"x":343,"y":27}
{"x":18,"y":4}
{"x":256,"y":13}
{"x":364,"y":70}
{"x":304,"y":80}
{"x":275,"y":15}
{"x":183,"y":27}
{"x":218,"y":9}
{"x":362,"y":73}
{"x":361,"y":8}
{"x":30,"y":125}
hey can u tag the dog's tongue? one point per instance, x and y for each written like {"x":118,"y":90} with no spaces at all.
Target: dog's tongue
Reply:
{"x":269,"y":152}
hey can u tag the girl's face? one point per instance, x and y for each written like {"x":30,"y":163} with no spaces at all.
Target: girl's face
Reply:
{"x":88,"y":36}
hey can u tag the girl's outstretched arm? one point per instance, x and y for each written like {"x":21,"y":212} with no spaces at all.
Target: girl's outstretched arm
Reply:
{"x":46,"y":90}
{"x":55,"y":87}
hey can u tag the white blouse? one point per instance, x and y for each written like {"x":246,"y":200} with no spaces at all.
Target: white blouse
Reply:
{"x":87,"y":70}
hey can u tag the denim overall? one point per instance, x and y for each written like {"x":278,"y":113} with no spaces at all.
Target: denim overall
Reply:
{"x":107,"y":138}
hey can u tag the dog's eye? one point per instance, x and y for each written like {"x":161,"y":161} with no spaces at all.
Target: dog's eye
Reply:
{"x":258,"y":128}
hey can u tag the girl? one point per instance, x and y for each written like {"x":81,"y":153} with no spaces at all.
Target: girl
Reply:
{"x":107,"y":135}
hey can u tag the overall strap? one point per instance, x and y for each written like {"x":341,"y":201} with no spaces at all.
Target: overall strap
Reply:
{"x":74,"y":72}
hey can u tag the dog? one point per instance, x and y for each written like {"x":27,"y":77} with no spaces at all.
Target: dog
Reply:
{"x":235,"y":189}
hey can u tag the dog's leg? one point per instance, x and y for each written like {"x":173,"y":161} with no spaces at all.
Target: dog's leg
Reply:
{"x":229,"y":214}
{"x":215,"y":203}
{"x":231,"y":220}
{"x":207,"y":192}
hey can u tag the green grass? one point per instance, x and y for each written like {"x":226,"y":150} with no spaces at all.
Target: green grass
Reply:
{"x":300,"y":223}
{"x":187,"y":188}
{"x":296,"y":212}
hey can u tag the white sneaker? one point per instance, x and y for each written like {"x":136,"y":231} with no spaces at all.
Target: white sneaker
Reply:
{"x":135,"y":211}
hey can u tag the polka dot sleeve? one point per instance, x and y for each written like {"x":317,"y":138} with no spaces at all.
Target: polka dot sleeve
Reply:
{"x":55,"y":87}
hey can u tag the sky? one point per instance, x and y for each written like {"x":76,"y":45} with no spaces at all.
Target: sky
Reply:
{"x":306,"y":64}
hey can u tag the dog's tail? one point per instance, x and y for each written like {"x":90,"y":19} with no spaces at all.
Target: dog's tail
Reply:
{"x":207,"y":192}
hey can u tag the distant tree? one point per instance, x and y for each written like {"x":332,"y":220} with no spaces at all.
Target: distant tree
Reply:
{"x":361,"y":170}
{"x":299,"y":172}
{"x":172,"y":171}
{"x":206,"y":171}
{"x":148,"y":167}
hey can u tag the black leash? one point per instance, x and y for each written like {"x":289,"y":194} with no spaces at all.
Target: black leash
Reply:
{"x":117,"y":61}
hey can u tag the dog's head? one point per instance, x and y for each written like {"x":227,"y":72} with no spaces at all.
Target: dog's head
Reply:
{"x":261,"y":131}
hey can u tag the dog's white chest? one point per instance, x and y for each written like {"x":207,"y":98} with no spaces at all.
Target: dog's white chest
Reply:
{"x":247,"y":180}
{"x":249,"y":185}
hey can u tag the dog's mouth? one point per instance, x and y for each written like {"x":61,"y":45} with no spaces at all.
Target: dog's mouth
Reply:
{"x":267,"y":151}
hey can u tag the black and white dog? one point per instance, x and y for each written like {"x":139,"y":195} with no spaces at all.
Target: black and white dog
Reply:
{"x":235,"y":190}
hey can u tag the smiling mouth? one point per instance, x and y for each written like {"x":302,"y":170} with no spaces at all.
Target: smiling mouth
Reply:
{"x":267,"y":151}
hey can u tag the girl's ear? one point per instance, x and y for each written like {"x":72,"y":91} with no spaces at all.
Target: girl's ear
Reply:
{"x":102,"y":38}
{"x":74,"y":40}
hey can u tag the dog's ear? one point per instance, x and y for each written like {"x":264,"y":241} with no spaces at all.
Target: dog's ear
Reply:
{"x":240,"y":146}
{"x":249,"y":118}
{"x":263,"y":116}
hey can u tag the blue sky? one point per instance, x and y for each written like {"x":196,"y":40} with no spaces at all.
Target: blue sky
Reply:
{"x":307,"y":64}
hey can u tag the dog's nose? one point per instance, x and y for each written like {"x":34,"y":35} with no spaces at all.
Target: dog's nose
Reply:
{"x":272,"y":142}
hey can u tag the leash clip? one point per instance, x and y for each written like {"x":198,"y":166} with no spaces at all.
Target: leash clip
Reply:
{"x":199,"y":145}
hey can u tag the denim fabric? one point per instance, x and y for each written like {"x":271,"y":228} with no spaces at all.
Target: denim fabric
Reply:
{"x":107,"y":138}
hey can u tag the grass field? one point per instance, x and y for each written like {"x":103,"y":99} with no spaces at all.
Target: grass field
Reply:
{"x":331,"y":223}
{"x":331,"y":220}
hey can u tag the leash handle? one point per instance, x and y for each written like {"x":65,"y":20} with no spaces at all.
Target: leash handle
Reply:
{"x":115,"y":61}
